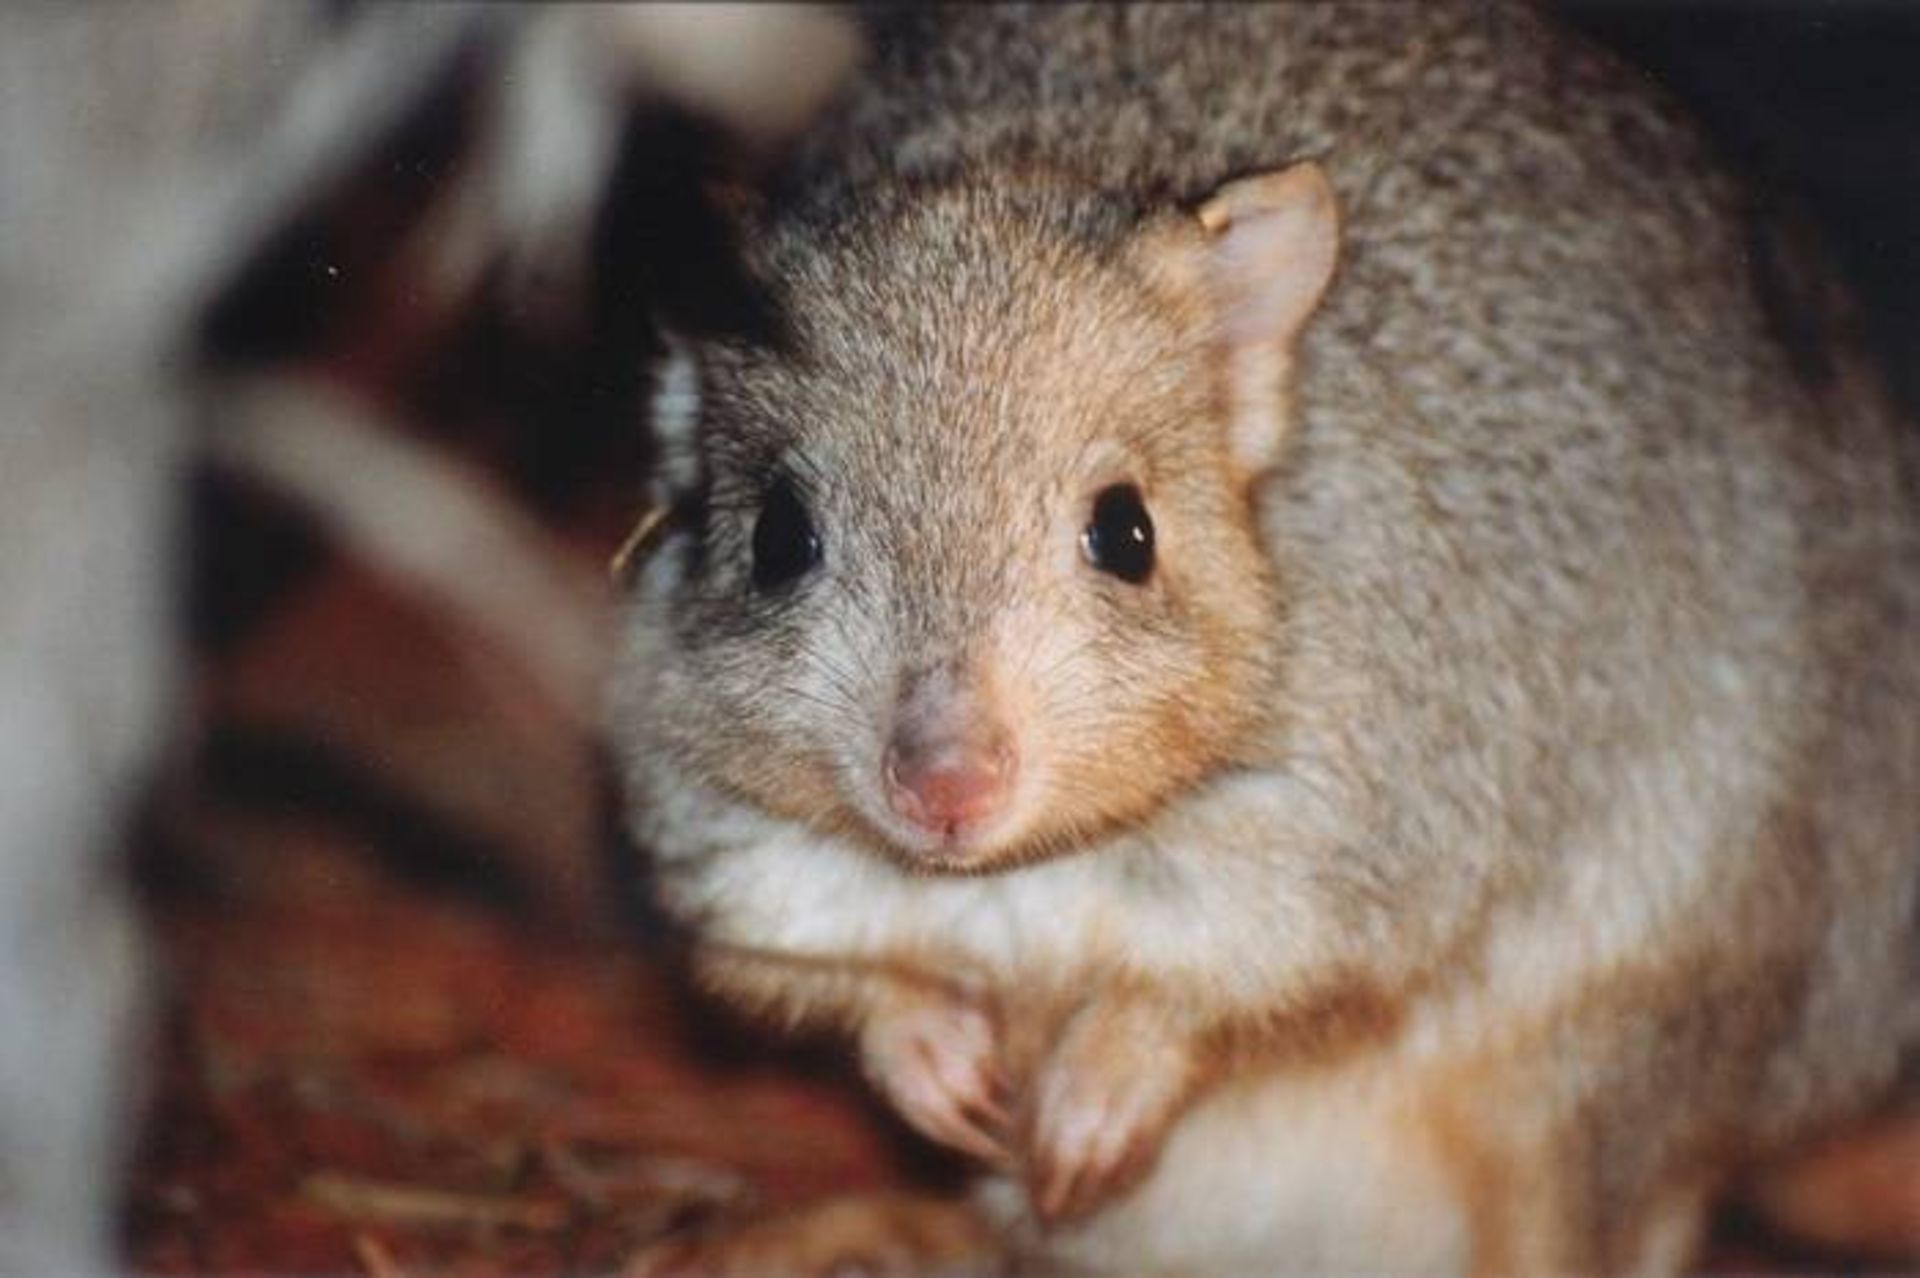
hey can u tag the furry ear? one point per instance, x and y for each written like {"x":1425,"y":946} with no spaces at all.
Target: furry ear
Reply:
{"x":674,"y":418}
{"x":1254,"y":267}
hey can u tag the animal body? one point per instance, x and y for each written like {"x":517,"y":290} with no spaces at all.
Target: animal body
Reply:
{"x":1307,"y":635}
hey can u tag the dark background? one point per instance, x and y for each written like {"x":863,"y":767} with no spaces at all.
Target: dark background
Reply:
{"x":1818,"y":100}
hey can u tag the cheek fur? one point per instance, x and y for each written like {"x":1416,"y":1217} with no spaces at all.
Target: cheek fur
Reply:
{"x":806,"y":727}
{"x":1114,"y":717}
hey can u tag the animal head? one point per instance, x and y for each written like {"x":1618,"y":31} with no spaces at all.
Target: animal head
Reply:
{"x":968,"y":567}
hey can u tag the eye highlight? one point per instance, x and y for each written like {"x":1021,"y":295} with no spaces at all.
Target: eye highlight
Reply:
{"x":785,"y":544}
{"x":1119,"y":538}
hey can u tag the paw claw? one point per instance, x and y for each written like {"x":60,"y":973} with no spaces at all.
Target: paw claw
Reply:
{"x":1104,"y":1102}
{"x":935,"y":1060}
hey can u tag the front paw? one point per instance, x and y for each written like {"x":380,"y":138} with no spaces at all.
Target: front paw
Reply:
{"x":1102,"y":1106}
{"x":936,"y":1056}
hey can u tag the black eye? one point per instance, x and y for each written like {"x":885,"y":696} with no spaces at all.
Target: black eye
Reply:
{"x":1119,"y":540}
{"x":785,"y":544}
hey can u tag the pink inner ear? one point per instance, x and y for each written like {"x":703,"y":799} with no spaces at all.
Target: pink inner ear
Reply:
{"x":1269,"y":267}
{"x":1273,"y":242}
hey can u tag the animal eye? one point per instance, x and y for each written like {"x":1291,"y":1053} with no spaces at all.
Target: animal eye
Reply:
{"x":1119,"y":538}
{"x":785,"y":545}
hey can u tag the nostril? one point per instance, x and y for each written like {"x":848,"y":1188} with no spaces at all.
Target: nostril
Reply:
{"x":946,"y":788}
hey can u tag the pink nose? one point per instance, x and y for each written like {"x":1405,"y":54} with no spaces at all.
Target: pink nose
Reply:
{"x":946,"y":787}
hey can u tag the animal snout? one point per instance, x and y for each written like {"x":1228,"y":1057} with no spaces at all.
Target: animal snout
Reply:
{"x":946,"y":785}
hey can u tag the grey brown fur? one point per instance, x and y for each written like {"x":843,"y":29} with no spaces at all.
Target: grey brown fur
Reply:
{"x":1503,"y":819}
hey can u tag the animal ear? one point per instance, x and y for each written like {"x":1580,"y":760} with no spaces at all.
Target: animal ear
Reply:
{"x":1254,"y":261}
{"x":673,"y":419}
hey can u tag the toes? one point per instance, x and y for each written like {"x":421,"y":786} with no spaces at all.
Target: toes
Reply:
{"x":941,"y":1112}
{"x":1087,"y":1148}
{"x":1075,"y":1183}
{"x":973,"y":1086}
{"x":937,"y":1062}
{"x":1101,"y":1170}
